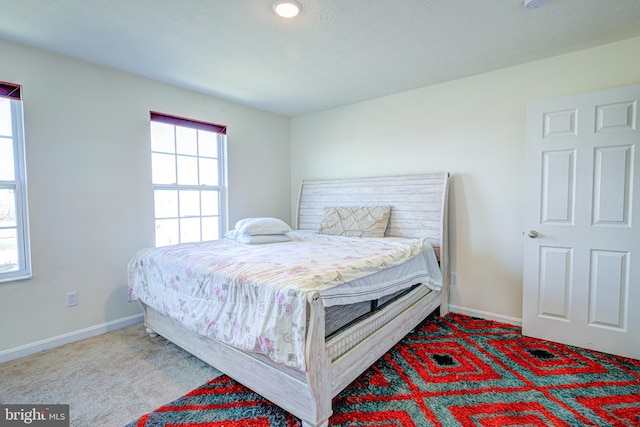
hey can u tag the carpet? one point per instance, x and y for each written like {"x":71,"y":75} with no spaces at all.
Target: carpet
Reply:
{"x":450,"y":371}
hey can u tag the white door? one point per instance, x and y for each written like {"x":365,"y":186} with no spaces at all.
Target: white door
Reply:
{"x":582,"y":219}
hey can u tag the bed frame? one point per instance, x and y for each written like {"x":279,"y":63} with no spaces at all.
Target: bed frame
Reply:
{"x":418,"y":209}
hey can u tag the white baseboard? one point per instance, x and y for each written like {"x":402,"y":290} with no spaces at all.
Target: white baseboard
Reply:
{"x":49,"y":343}
{"x":485,"y":315}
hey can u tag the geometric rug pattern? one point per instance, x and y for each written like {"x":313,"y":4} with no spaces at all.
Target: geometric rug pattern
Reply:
{"x":450,"y":371}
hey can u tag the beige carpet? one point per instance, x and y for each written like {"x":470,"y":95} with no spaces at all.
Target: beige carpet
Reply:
{"x":108,"y":380}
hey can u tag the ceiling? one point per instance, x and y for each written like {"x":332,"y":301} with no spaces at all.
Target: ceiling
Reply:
{"x":336,"y":52}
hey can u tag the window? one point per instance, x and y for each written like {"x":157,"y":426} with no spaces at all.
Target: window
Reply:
{"x":188,"y":174}
{"x":15,"y":258}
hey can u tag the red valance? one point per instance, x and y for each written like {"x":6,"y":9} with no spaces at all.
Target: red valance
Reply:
{"x":190,"y":123}
{"x":9,"y":90}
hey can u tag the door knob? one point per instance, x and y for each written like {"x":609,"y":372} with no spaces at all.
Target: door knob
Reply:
{"x":533,"y":234}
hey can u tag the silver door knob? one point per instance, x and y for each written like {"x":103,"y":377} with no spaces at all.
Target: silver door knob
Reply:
{"x":533,"y":234}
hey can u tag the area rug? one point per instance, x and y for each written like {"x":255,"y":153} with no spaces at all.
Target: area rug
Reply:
{"x":450,"y":371}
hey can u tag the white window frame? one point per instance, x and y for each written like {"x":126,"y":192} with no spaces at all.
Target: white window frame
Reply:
{"x":19,"y":186}
{"x":221,"y":188}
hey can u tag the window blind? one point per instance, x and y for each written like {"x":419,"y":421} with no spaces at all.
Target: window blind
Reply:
{"x":190,"y":123}
{"x":10,"y":90}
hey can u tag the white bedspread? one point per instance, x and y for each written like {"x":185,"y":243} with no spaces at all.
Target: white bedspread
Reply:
{"x":254,"y":296}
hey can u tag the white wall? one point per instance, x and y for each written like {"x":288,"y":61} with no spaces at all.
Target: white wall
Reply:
{"x":475,"y":129}
{"x":87,"y":137}
{"x":89,"y":184}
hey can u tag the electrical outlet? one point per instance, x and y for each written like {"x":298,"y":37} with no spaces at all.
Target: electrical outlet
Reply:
{"x":454,"y":278}
{"x":72,"y":299}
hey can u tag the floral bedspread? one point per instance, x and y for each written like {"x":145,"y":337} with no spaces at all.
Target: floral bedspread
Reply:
{"x":254,"y":297}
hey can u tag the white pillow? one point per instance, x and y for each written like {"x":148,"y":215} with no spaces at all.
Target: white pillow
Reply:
{"x":257,"y":239}
{"x":265,"y":225}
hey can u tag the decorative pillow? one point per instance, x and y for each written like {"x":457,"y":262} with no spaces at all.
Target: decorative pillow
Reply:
{"x":355,"y":221}
{"x":257,"y":239}
{"x":266,"y":225}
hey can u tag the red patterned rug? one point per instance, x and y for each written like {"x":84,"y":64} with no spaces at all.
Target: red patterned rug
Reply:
{"x":450,"y":371}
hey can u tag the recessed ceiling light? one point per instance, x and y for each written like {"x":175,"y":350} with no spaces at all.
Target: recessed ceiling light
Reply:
{"x":287,"y":8}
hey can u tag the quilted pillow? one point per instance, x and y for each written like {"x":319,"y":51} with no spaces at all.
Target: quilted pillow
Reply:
{"x":254,"y":226}
{"x":355,"y":221}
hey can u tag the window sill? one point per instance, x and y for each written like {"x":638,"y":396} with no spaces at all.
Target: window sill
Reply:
{"x":17,"y":277}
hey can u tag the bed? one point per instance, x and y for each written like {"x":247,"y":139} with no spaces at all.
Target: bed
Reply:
{"x":338,"y":337}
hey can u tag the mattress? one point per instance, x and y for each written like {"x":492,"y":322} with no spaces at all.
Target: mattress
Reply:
{"x":339,"y":317}
{"x":423,"y":268}
{"x":254,"y":297}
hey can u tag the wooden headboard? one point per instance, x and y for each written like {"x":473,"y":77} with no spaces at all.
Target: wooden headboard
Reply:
{"x":418,"y":204}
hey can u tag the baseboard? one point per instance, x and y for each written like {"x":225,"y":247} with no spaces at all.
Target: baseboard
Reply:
{"x":49,"y":343}
{"x":485,"y":315}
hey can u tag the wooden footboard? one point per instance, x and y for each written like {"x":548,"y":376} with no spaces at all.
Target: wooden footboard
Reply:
{"x":306,"y":395}
{"x":302,"y":394}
